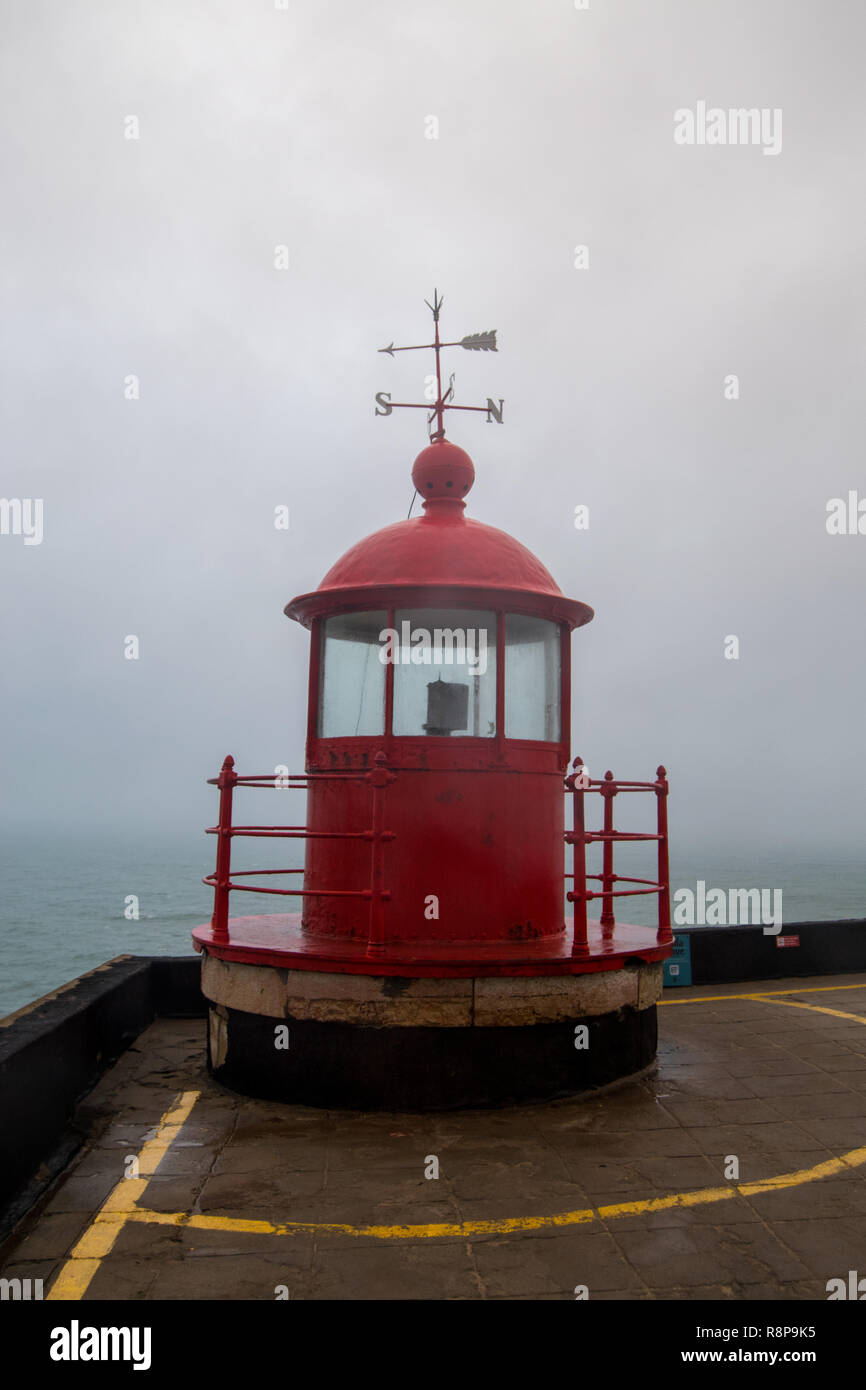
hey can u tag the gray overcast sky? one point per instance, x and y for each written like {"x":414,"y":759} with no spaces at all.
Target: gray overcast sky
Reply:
{"x":306,"y":127}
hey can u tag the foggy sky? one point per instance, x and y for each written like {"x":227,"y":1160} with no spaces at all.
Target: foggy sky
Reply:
{"x":306,"y":127}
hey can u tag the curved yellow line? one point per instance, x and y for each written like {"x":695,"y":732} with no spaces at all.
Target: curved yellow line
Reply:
{"x":507,"y":1225}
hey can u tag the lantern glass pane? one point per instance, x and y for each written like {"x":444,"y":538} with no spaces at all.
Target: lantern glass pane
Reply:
{"x":444,"y":673}
{"x":532,"y":679}
{"x":352,"y":676}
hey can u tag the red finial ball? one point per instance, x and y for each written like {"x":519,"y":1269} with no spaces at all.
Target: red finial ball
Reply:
{"x":443,"y":471}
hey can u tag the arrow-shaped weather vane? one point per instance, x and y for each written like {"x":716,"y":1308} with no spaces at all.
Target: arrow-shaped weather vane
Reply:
{"x":472,"y":342}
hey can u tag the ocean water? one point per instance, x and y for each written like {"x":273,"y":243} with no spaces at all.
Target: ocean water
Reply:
{"x":62,"y":896}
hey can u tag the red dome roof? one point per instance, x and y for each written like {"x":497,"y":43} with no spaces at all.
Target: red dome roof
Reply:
{"x":441,"y":550}
{"x":433,"y":549}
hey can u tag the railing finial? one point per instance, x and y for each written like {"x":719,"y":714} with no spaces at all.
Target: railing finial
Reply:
{"x":227,"y":777}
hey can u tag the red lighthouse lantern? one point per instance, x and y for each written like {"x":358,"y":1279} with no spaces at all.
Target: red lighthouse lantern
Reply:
{"x":431,"y":962}
{"x":444,"y":644}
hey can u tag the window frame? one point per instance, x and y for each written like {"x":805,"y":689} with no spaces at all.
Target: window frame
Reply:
{"x":467,"y":742}
{"x":487,"y":739}
{"x":560,"y":709}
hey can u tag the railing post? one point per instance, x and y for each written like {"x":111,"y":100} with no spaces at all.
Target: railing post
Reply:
{"x":608,"y":791}
{"x":665,"y":932}
{"x":576,"y":782}
{"x":378,"y":779}
{"x":220,"y":920}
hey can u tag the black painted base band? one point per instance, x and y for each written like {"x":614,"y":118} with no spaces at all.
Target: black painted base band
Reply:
{"x":345,"y":1066}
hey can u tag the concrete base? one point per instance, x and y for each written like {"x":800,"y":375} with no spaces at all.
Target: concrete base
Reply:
{"x":379,"y":1042}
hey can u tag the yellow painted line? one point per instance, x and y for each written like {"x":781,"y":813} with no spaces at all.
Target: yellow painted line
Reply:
{"x":241,"y":1226}
{"x":817,"y":1009}
{"x":87,"y":1254}
{"x":508,"y":1225}
{"x":828,"y":1169}
{"x":761,"y":994}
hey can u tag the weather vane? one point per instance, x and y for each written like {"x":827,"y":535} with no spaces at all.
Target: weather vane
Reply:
{"x":473,"y":342}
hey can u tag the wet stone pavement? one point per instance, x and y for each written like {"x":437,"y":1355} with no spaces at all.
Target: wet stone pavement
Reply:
{"x":188,"y":1191}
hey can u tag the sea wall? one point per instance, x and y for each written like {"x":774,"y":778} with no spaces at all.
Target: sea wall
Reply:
{"x":53,"y":1051}
{"x":725,"y":955}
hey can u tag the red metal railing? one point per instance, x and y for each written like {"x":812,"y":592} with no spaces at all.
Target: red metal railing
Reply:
{"x":221,"y":879}
{"x":579,"y":784}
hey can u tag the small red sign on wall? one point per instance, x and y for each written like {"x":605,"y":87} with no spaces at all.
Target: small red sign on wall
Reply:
{"x":787,"y":940}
